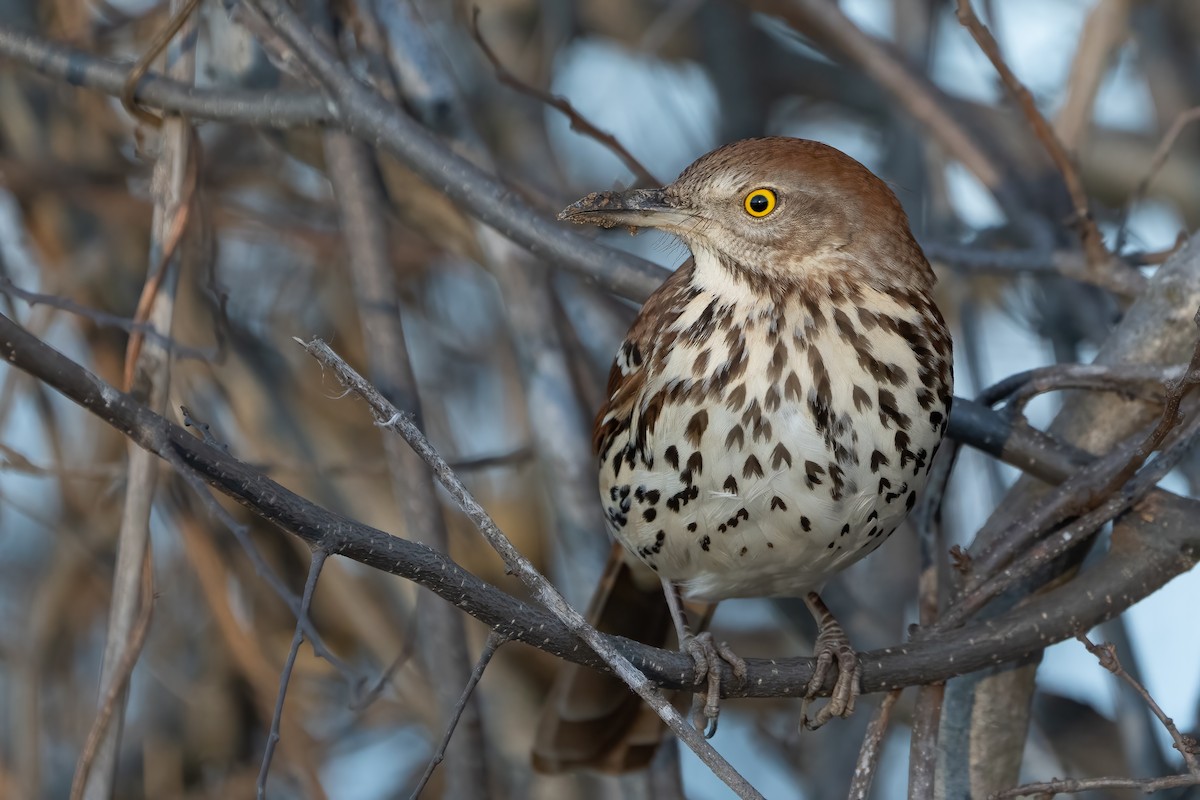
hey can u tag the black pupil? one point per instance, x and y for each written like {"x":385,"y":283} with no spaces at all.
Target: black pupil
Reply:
{"x":759,"y":203}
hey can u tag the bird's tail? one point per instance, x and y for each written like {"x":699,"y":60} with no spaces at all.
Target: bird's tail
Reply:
{"x":592,"y":720}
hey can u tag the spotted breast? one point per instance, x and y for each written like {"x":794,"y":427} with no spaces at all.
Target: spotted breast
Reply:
{"x":757,"y":444}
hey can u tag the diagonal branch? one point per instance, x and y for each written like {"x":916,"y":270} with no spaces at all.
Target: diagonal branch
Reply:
{"x":310,"y":586}
{"x":388,"y":416}
{"x":378,"y":304}
{"x":490,"y":646}
{"x":1106,"y":653}
{"x":579,"y":123}
{"x":1106,"y":270}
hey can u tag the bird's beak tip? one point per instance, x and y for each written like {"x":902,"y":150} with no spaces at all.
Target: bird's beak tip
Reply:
{"x":609,"y":209}
{"x":570,"y":213}
{"x":592,"y":208}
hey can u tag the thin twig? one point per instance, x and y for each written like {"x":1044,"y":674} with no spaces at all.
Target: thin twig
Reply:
{"x":377,"y":299}
{"x":103,"y":318}
{"x":1176,"y":390}
{"x":116,"y":688}
{"x":168,"y":244}
{"x":1092,"y":488}
{"x":206,"y":434}
{"x":579,"y":123}
{"x":1106,"y":29}
{"x":1157,"y":161}
{"x":514,"y":457}
{"x":1106,"y":653}
{"x":1105,"y":269}
{"x":912,"y":90}
{"x":158,"y":43}
{"x":295,"y":604}
{"x":277,"y":108}
{"x":147,"y":374}
{"x":563,"y":449}
{"x":355,"y":108}
{"x":18,"y":462}
{"x":310,"y":586}
{"x":241,"y":637}
{"x":368,"y":116}
{"x":872,"y":748}
{"x":1018,"y":389}
{"x":1113,"y":503}
{"x":387,"y":416}
{"x":494,"y":640}
{"x":407,"y":647}
{"x":1073,"y":264}
{"x":1075,"y":785}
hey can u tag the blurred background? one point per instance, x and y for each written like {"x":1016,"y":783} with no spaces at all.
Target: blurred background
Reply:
{"x":510,"y":358}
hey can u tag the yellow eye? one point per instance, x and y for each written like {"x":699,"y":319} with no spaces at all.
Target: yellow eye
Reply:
{"x":760,"y":202}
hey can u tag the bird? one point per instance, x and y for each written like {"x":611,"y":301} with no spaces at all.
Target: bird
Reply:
{"x":771,"y":418}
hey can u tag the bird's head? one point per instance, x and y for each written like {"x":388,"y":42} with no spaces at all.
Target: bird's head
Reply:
{"x":779,"y":208}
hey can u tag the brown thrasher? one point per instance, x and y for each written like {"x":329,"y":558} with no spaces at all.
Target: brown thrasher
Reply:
{"x":771,"y":416}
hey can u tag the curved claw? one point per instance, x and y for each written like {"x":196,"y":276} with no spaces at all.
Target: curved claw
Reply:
{"x":845,"y":691}
{"x":708,"y":655}
{"x":832,"y":643}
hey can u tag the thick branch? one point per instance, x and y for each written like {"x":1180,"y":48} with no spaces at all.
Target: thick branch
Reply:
{"x":1150,"y":546}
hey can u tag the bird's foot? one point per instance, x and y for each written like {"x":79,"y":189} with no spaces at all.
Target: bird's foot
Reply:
{"x":833,"y":646}
{"x":708,"y":655}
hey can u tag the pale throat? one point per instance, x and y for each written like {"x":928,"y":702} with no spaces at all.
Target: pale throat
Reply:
{"x":811,"y":272}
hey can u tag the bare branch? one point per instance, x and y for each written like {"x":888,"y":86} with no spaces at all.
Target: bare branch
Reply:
{"x":1111,"y":503}
{"x":1094,"y":492}
{"x":1106,"y":653}
{"x":310,"y":586}
{"x":368,"y":116}
{"x":490,"y":646}
{"x":114,"y":695}
{"x":1150,"y":547}
{"x":147,"y":374}
{"x":158,"y":43}
{"x":98,"y":317}
{"x":263,"y":570}
{"x":273,"y":108}
{"x":387,"y":416}
{"x":1105,"y":270}
{"x":579,"y":123}
{"x":360,"y":204}
{"x":1133,"y":379}
{"x":1076,"y":785}
{"x":1106,"y":29}
{"x":1157,"y":161}
{"x":872,"y":748}
{"x":923,"y":743}
{"x":915,"y":93}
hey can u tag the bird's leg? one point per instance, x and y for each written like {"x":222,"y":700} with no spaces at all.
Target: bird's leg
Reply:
{"x":707,"y":653}
{"x":832,"y":643}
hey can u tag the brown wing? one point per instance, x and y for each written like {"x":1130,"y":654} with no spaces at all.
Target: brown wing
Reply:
{"x":642,"y":349}
{"x":592,"y":719}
